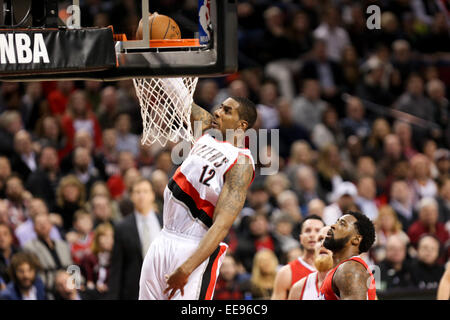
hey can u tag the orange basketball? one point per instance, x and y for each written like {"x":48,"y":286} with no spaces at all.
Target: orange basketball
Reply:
{"x":161,"y":27}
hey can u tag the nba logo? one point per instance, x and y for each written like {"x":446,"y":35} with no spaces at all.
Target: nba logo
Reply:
{"x":204,"y":20}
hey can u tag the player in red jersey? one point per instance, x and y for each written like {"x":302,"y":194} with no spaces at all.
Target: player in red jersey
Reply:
{"x":351,"y":278}
{"x":304,"y":265}
{"x":308,"y":287}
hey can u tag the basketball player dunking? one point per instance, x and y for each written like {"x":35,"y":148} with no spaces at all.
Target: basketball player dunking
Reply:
{"x":308,"y":287}
{"x":351,"y":278}
{"x":201,"y":202}
{"x":289,"y":274}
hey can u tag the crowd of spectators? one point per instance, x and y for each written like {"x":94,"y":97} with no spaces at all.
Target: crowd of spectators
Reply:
{"x":363,"y":123}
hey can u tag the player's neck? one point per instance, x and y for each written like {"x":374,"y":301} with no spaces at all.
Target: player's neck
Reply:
{"x":308,"y":257}
{"x":235,"y":140}
{"x":344,"y":254}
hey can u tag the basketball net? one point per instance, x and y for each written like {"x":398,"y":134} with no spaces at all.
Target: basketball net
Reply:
{"x":165,"y":108}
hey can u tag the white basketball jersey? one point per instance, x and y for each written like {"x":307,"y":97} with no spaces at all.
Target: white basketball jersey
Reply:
{"x":310,"y":289}
{"x":191,"y":195}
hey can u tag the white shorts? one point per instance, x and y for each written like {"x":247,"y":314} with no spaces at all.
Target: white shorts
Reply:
{"x":166,"y":253}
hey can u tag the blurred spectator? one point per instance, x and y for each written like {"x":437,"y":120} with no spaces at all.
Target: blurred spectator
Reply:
{"x":387,"y":225}
{"x":372,"y":88}
{"x":413,"y":101}
{"x":328,"y":131}
{"x":275,"y":184}
{"x":53,"y":254}
{"x":300,"y":154}
{"x":65,"y":288}
{"x":7,"y":250}
{"x":58,"y":98}
{"x":263,"y":274}
{"x":80,"y":117}
{"x":33,"y":103}
{"x":436,"y":42}
{"x":100,"y":188}
{"x":206,"y":93}
{"x":81,"y":236}
{"x":228,"y":286}
{"x":25,"y":283}
{"x":108,"y":108}
{"x":426,"y":273}
{"x":401,"y":202}
{"x":316,"y":207}
{"x":126,"y":141}
{"x":24,"y":160}
{"x":288,"y":203}
{"x":343,"y":199}
{"x":366,"y":197}
{"x":70,"y":197}
{"x":307,"y":186}
{"x":404,"y":133}
{"x":42,"y":183}
{"x":83,"y":139}
{"x":83,"y":169}
{"x":267,"y":107}
{"x":442,"y":160}
{"x":395,"y":268}
{"x":329,"y":168}
{"x":259,"y":237}
{"x":288,"y":131}
{"x":323,"y":69}
{"x":330,"y":31}
{"x":16,"y":197}
{"x":422,"y":184}
{"x":428,"y":222}
{"x":159,"y":181}
{"x":283,"y":231}
{"x":441,"y":109}
{"x":132,"y":238}
{"x":444,"y":201}
{"x":101,"y":210}
{"x":392,"y":154}
{"x":109,"y":152}
{"x":5,"y":172}
{"x":96,"y":265}
{"x":307,"y":108}
{"x":10,"y":124}
{"x":25,"y":232}
{"x":354,"y":123}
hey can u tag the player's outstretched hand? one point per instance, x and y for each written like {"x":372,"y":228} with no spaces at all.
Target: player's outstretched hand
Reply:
{"x":176,"y":281}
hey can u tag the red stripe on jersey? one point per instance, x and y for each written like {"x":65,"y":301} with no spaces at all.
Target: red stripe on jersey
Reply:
{"x":189,"y":189}
{"x":303,"y":289}
{"x":298,"y":271}
{"x":213,"y":279}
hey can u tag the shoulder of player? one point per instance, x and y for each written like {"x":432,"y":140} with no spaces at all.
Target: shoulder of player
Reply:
{"x":241,"y":173}
{"x":348,"y":273}
{"x":284,"y":275}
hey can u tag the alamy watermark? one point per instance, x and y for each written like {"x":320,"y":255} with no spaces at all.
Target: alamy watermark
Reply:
{"x":263,"y":144}
{"x":374,"y":20}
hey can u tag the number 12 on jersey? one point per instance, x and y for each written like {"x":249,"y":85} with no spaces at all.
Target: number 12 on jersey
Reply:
{"x":206,"y":175}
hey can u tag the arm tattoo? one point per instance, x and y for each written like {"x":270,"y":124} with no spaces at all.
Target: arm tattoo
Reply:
{"x":237,"y":181}
{"x":200,"y":114}
{"x":351,"y":280}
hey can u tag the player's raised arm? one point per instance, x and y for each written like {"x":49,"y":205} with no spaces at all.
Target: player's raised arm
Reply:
{"x":351,"y":281}
{"x":200,"y":114}
{"x":228,"y":207}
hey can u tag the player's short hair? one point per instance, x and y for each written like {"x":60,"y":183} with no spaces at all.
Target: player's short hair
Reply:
{"x":312,"y":216}
{"x":246,"y":110}
{"x":365,"y":228}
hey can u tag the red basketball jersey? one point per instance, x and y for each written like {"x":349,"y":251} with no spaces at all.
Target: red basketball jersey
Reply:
{"x":326,"y":290}
{"x":300,"y":269}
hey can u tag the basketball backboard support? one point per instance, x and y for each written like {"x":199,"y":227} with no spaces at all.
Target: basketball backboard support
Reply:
{"x":133,"y":58}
